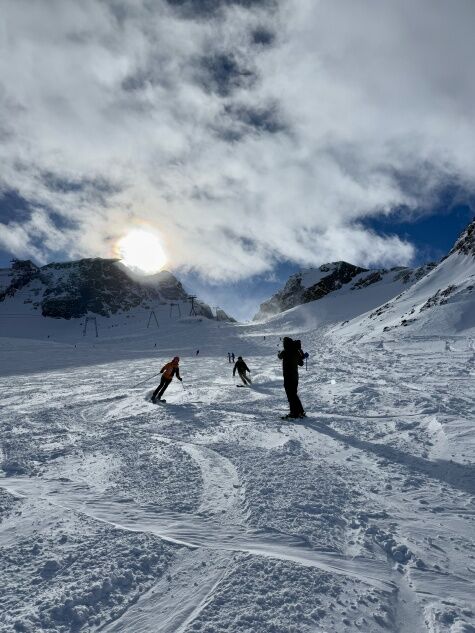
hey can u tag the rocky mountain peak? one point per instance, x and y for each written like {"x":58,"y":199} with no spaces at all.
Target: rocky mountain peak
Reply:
{"x":309,"y":284}
{"x":466,"y":242}
{"x":98,"y":286}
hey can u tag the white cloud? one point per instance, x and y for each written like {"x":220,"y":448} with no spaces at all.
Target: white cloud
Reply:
{"x":241,"y":154}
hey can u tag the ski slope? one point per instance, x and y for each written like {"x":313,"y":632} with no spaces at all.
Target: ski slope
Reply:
{"x":440,"y":303}
{"x":211,"y":514}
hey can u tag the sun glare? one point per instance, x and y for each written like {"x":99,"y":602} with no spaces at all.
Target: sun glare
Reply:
{"x":142,"y":251}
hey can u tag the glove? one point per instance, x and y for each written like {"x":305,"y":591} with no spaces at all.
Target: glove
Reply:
{"x":181,"y":379}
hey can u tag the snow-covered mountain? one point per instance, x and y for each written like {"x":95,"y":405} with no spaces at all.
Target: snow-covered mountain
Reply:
{"x":442,"y":302}
{"x":434,"y":299}
{"x":102,"y":287}
{"x":341,"y":289}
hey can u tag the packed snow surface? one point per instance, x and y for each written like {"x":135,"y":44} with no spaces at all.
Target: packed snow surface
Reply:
{"x":211,"y":514}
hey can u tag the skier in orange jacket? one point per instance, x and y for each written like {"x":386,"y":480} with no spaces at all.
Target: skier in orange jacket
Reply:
{"x":168,"y":371}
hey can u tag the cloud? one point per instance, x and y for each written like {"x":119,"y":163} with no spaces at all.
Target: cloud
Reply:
{"x":246,"y":132}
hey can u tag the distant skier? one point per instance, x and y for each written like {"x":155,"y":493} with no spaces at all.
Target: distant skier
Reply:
{"x":197,"y":352}
{"x":241,"y":368}
{"x":232,"y":357}
{"x":229,"y":357}
{"x":292,"y":358}
{"x":168,"y":371}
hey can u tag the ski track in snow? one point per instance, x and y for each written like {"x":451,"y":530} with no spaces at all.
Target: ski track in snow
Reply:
{"x":367,"y":505}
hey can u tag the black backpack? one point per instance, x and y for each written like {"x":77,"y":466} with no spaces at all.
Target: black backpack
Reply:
{"x":298,"y":348}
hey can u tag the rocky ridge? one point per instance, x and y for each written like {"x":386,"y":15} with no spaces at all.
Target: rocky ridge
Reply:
{"x":313,"y":284}
{"x":104,"y":287}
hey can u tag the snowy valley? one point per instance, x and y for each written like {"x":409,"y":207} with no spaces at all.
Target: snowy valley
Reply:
{"x":209,"y":513}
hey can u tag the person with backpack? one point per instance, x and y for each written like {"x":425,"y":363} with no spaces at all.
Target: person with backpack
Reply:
{"x":168,"y":371}
{"x":292,"y":358}
{"x":241,"y":368}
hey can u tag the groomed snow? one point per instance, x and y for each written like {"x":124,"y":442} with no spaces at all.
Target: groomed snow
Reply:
{"x":209,"y":513}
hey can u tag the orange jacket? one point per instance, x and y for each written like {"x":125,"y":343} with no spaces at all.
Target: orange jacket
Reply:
{"x":169,"y":370}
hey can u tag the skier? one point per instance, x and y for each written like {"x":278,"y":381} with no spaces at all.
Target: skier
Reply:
{"x":241,"y":369}
{"x":292,"y":357}
{"x":229,"y":357}
{"x":232,"y":357}
{"x":197,"y":352}
{"x":168,"y":371}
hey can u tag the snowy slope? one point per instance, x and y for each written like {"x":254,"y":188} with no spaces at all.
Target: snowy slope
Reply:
{"x":209,"y":514}
{"x":440,"y":303}
{"x":366,"y":290}
{"x":361,"y":287}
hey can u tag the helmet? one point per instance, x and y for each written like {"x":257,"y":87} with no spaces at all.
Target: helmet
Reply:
{"x":176,"y":359}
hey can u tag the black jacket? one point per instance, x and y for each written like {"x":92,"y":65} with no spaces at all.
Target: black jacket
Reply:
{"x":241,"y":367}
{"x":292,"y":358}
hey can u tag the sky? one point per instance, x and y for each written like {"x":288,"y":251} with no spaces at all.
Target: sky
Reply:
{"x":255,"y":136}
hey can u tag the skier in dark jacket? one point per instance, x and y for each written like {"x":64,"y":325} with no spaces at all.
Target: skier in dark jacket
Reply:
{"x":241,"y":368}
{"x":168,"y":371}
{"x":292,"y":358}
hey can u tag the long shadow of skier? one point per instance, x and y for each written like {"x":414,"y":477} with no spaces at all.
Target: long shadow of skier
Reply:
{"x":261,"y":388}
{"x":460,"y":476}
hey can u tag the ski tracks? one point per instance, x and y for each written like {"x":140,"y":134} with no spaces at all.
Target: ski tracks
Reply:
{"x":174,"y":602}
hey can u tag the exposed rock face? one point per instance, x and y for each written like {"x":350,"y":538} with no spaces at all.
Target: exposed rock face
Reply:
{"x":309,"y":285}
{"x":315,"y":283}
{"x":99,"y":286}
{"x":466,"y":242}
{"x":221,"y":315}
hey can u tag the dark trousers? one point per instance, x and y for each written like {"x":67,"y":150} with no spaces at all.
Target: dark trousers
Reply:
{"x":162,"y":387}
{"x":246,"y":380}
{"x":291,"y":386}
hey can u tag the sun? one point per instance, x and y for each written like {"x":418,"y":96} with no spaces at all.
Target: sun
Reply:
{"x":142,"y":251}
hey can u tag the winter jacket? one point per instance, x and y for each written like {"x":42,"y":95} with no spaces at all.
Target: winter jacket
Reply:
{"x":241,"y":367}
{"x":169,"y":370}
{"x":291,"y":357}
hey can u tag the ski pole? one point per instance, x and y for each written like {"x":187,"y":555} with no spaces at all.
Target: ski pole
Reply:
{"x":182,"y":385}
{"x":146,"y":379}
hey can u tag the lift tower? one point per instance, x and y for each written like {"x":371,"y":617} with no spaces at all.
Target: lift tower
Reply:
{"x":192,"y":299}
